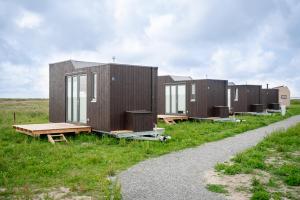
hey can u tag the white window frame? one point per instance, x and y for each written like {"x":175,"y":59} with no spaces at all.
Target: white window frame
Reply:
{"x":236,"y":94}
{"x":94,"y":87}
{"x":193,"y":92}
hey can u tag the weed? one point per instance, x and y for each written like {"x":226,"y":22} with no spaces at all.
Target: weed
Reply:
{"x":217,"y":188}
{"x":85,"y":163}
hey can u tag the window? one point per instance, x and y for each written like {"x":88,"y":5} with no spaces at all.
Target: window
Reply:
{"x":283,"y":96}
{"x":236,"y":94}
{"x":69,"y":98}
{"x":167,"y":98}
{"x":193,"y":92}
{"x":94,"y":89}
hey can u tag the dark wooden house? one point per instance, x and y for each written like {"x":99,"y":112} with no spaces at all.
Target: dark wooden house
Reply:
{"x":270,"y":98}
{"x":179,"y":95}
{"x":245,"y":98}
{"x":107,"y":97}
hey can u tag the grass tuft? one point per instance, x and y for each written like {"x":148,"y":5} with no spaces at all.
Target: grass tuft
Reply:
{"x":217,"y":188}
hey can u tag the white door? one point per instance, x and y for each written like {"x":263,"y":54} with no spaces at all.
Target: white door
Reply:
{"x":229,"y":98}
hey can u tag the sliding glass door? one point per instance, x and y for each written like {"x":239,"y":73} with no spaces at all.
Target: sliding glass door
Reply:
{"x":175,"y":99}
{"x":76,"y":98}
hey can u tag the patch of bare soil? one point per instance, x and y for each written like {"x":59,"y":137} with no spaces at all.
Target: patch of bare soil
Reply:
{"x":238,"y":186}
{"x":61,"y":193}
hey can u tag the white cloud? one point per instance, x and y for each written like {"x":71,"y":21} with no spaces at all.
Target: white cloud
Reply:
{"x":29,"y":19}
{"x":244,"y":41}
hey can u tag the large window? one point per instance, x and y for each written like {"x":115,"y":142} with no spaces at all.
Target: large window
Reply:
{"x":82,"y":99}
{"x":69,"y":98}
{"x":236,"y":94}
{"x":175,"y":99}
{"x":74,"y":99}
{"x":181,"y":99}
{"x":167,"y":98}
{"x":94,"y":89}
{"x":193,"y":92}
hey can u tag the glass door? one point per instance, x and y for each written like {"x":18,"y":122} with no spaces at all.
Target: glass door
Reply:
{"x":76,"y":98}
{"x":82,"y":98}
{"x":175,"y":99}
{"x":181,"y":101}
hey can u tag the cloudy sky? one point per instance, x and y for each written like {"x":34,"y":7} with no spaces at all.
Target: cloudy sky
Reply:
{"x":254,"y":42}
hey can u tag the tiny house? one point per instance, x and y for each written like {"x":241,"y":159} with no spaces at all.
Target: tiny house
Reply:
{"x":180,"y":95}
{"x":107,"y":97}
{"x":284,"y":96}
{"x":245,"y":98}
{"x":270,"y":99}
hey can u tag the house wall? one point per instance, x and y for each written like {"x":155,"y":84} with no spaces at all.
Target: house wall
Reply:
{"x":161,"y":81}
{"x":120,"y":88}
{"x":57,"y":97}
{"x":216,"y":95}
{"x":132,"y":88}
{"x":197,"y":108}
{"x":269,"y":96}
{"x":99,"y":111}
{"x":284,"y":91}
{"x":205,"y":100}
{"x":248,"y":95}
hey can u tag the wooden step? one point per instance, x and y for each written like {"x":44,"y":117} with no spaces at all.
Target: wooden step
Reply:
{"x":62,"y":138}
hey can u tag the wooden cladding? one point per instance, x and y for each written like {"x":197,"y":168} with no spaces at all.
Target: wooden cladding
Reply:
{"x":112,"y":89}
{"x":201,"y":96}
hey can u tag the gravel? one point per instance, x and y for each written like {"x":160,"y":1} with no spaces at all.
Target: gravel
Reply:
{"x":180,"y":175}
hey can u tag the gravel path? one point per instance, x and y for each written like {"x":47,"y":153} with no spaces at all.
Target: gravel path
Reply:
{"x":179,"y":175}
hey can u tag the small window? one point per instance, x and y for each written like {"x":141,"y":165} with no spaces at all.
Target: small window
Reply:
{"x":193,"y":92}
{"x":94,"y":89}
{"x":236,"y":94}
{"x":283,"y":96}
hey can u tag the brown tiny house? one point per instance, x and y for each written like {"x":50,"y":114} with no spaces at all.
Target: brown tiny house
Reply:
{"x":180,"y":95}
{"x":107,"y":97}
{"x":245,"y":98}
{"x":270,"y":99}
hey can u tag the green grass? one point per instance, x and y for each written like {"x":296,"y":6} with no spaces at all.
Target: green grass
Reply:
{"x":29,"y":165}
{"x":283,"y":148}
{"x":217,"y":188}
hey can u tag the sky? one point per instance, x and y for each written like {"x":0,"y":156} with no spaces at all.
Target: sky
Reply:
{"x":247,"y":42}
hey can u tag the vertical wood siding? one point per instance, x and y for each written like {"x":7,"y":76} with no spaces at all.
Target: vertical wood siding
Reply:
{"x":269,"y":96}
{"x":205,"y":100}
{"x":248,"y":95}
{"x":132,"y":88}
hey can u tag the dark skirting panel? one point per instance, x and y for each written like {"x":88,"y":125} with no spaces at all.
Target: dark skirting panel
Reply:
{"x":139,"y":120}
{"x":257,"y":107}
{"x":221,"y":111}
{"x":274,"y":106}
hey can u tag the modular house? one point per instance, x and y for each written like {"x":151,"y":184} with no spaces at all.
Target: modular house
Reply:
{"x":107,"y":97}
{"x":245,"y":98}
{"x":270,"y":99}
{"x":180,"y":95}
{"x":284,"y":95}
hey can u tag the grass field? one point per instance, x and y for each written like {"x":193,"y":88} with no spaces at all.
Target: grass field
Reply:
{"x":31,"y":166}
{"x":273,"y":166}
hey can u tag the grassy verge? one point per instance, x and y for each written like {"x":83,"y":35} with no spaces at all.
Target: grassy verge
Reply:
{"x":29,"y":166}
{"x":273,"y":165}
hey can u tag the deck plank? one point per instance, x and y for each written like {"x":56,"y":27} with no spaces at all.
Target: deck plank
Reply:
{"x":51,"y":128}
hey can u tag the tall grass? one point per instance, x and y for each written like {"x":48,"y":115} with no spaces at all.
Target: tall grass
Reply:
{"x":33,"y":164}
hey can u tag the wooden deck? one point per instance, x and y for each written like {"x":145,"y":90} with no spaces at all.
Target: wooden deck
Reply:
{"x":170,"y":119}
{"x":51,"y":128}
